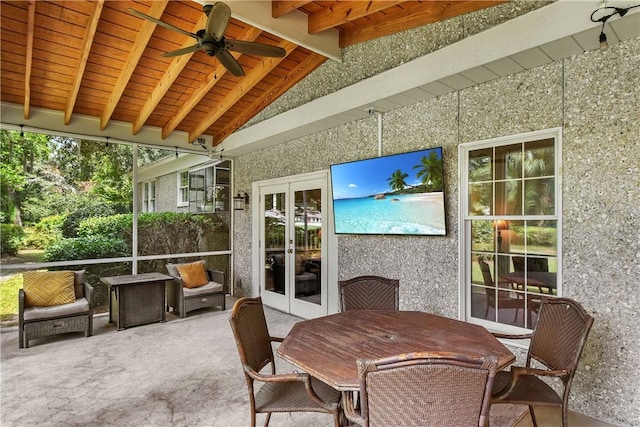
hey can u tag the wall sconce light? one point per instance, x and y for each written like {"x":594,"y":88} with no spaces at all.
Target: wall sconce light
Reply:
{"x":240,"y":200}
{"x":609,"y":11}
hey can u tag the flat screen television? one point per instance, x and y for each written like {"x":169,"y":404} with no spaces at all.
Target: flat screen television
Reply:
{"x":400,"y":194}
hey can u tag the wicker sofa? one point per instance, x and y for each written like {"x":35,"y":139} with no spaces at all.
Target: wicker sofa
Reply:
{"x":37,"y":322}
{"x":185,"y":299}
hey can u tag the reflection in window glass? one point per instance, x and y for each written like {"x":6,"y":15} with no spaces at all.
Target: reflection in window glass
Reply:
{"x":513,"y":239}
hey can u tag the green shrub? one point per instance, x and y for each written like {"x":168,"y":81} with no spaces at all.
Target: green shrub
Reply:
{"x":541,"y":236}
{"x":73,"y":220}
{"x":86,"y":248}
{"x":45,"y":232}
{"x":11,"y":237}
{"x":114,"y":226}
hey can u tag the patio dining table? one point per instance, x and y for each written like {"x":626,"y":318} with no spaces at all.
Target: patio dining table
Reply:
{"x":327,"y":347}
{"x":541,"y":279}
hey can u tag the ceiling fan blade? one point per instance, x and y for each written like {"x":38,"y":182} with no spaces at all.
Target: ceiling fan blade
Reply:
{"x":218,"y":19}
{"x":182,"y":51}
{"x":230,"y":63}
{"x":252,"y":48}
{"x":164,"y":24}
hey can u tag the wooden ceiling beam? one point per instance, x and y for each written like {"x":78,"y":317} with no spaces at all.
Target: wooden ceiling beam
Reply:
{"x":413,"y":15}
{"x":252,"y":78}
{"x":86,"y":50}
{"x":31,"y":23}
{"x":282,"y":7}
{"x":250,"y":34}
{"x":346,"y":11}
{"x":309,"y":64}
{"x":140,"y":44}
{"x":168,"y":78}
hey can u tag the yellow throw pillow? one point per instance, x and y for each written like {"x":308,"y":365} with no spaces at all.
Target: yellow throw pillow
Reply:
{"x":47,"y":288}
{"x":193,"y":275}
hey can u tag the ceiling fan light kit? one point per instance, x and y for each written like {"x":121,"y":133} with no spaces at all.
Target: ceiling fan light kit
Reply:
{"x":211,"y":39}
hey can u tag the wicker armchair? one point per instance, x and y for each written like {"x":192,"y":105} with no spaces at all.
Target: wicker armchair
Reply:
{"x":426,"y":389}
{"x":293,"y":392}
{"x":556,"y":342}
{"x":38,"y":322}
{"x":369,"y":293}
{"x":184,"y":299}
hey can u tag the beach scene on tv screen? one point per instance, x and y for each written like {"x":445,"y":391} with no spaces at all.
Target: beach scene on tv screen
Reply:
{"x":397,"y":194}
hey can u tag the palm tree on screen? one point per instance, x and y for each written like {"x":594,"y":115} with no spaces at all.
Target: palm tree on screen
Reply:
{"x":397,"y":180}
{"x":430,"y":171}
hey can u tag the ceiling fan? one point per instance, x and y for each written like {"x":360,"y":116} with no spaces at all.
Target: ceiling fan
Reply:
{"x":211,"y":39}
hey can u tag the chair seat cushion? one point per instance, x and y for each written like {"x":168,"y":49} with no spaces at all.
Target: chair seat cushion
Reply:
{"x":209,"y":288}
{"x":48,"y":288}
{"x":80,"y":306}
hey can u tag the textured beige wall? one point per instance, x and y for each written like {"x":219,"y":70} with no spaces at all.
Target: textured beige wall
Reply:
{"x":595,"y":97}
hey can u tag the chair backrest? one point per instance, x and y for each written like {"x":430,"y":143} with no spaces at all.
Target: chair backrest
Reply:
{"x":560,"y":334}
{"x":486,"y":272}
{"x":533,"y":263}
{"x":429,"y":388}
{"x":369,"y":293}
{"x":250,"y":331}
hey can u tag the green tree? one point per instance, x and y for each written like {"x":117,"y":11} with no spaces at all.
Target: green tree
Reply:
{"x":430,"y":172}
{"x":23,"y":155}
{"x":397,"y":180}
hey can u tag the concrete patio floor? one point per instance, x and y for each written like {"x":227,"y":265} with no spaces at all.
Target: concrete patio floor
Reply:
{"x":185,"y":372}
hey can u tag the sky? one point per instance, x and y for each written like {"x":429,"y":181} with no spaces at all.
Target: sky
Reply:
{"x":368,"y":177}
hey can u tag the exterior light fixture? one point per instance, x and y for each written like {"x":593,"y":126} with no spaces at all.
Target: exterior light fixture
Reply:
{"x":240,"y":200}
{"x":609,"y":12}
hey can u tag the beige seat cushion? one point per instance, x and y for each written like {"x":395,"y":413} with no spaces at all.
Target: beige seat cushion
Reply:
{"x":48,"y":288}
{"x":79,"y":306}
{"x":209,"y":288}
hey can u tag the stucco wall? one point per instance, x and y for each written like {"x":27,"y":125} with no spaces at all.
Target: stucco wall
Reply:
{"x":595,"y":97}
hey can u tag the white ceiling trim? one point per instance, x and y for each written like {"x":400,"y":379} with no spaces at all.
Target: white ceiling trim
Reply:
{"x":555,"y":31}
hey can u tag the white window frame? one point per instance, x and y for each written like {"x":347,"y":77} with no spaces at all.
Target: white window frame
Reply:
{"x":464,"y":308}
{"x":149,"y":196}
{"x":182,"y":196}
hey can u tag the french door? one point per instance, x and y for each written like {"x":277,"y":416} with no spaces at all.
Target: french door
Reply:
{"x":292,"y":221}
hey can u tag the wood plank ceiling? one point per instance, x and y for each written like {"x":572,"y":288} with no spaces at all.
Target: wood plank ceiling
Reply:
{"x":94,"y":58}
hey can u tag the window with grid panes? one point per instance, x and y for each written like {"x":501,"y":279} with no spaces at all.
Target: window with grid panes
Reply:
{"x":511,"y":216}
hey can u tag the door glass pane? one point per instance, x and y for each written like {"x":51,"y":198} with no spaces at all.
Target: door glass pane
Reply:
{"x":308,"y":245}
{"x":274,"y":238}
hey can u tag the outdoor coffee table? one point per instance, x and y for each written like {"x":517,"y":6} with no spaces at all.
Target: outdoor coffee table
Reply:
{"x":136,"y":299}
{"x":327,"y":347}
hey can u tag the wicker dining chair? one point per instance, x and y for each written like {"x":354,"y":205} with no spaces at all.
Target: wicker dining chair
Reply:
{"x":556,"y":342}
{"x":426,"y":389}
{"x":291,"y":392}
{"x":369,"y":293}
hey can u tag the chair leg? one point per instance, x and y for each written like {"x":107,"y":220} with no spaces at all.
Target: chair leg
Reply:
{"x":533,"y":416}
{"x":21,"y":337}
{"x":565,"y":416}
{"x":336,"y":418}
{"x":266,"y":420}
